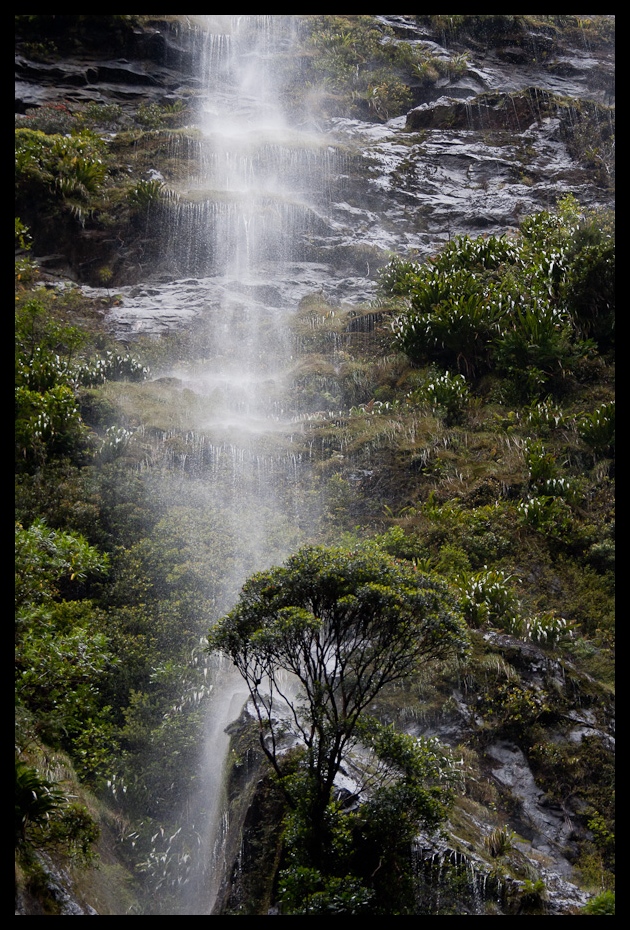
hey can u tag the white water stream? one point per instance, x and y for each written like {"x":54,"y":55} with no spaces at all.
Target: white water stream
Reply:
{"x":241,"y":219}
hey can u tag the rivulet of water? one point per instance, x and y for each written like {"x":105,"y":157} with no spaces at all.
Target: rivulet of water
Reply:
{"x":240,"y":226}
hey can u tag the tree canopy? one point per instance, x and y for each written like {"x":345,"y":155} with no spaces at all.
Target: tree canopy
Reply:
{"x":319,"y":637}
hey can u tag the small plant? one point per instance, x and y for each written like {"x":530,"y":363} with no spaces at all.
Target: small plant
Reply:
{"x":533,"y":895}
{"x":549,"y":515}
{"x":71,"y":167}
{"x":22,"y":235}
{"x":46,"y":819}
{"x":499,"y":842}
{"x":106,"y":115}
{"x":25,"y":268}
{"x":603,"y":903}
{"x":112,"y":367}
{"x":545,"y":627}
{"x":146,"y":193}
{"x":51,"y":118}
{"x":388,"y":98}
{"x":597,"y":429}
{"x":36,"y":799}
{"x":487,"y":597}
{"x":114,"y":443}
{"x":105,"y":275}
{"x":445,"y":394}
{"x":150,"y":116}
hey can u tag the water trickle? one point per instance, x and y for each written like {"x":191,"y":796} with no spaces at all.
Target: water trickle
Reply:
{"x":235,"y":228}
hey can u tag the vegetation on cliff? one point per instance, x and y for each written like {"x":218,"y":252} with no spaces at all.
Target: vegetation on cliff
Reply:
{"x":462,"y":426}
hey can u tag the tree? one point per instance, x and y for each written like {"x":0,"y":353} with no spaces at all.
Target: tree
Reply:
{"x":62,"y":653}
{"x":316,"y":640}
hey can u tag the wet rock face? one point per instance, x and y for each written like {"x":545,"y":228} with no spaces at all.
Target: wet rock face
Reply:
{"x":106,"y":66}
{"x":493,"y":111}
{"x":62,"y":897}
{"x":483,"y":147}
{"x":546,"y":827}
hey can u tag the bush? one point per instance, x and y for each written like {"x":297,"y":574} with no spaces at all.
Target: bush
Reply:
{"x":597,"y":429}
{"x":48,"y":167}
{"x":518,"y":306}
{"x":446,"y":396}
{"x":603,"y":903}
{"x":487,"y":597}
{"x":45,"y":819}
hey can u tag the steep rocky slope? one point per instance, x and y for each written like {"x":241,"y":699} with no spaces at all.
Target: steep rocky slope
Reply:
{"x":519,"y":121}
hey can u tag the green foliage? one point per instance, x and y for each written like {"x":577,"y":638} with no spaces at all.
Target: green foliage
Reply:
{"x":35,"y":799}
{"x":46,"y":819}
{"x":48,"y":421}
{"x":50,"y":118}
{"x":588,"y":285}
{"x":544,"y":628}
{"x":413,"y":788}
{"x":108,"y":660}
{"x":22,"y":235}
{"x":488,"y":598}
{"x":50,"y":378}
{"x":303,"y":890}
{"x":541,"y":464}
{"x":603,"y":903}
{"x":159,"y":750}
{"x":512,"y":709}
{"x":60,"y":651}
{"x":145,"y":193}
{"x":547,"y":514}
{"x":345,"y":623}
{"x":57,"y":165}
{"x":567,"y":771}
{"x":401,"y":544}
{"x":516,"y":306}
{"x":597,"y":429}
{"x":150,"y":116}
{"x":445,"y":395}
{"x":492,"y":27}
{"x":449,"y":322}
{"x":48,"y":561}
{"x":367,"y":864}
{"x":354,"y":60}
{"x":532,"y":895}
{"x":104,"y":115}
{"x":499,"y":841}
{"x":111,"y":366}
{"x":25,"y":269}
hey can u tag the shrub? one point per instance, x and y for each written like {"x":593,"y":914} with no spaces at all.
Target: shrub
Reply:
{"x":546,"y":627}
{"x":36,"y":798}
{"x":50,"y":118}
{"x":487,"y":597}
{"x":46,"y":819}
{"x":446,"y":396}
{"x":145,"y":193}
{"x":112,"y":366}
{"x":597,"y":429}
{"x":603,"y":903}
{"x":517,"y":306}
{"x":548,"y":515}
{"x":364,"y":72}
{"x":499,"y":841}
{"x":48,"y":167}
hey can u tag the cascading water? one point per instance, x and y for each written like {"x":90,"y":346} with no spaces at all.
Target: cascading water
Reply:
{"x":240,"y":225}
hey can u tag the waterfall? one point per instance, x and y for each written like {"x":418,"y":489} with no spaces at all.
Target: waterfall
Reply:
{"x":258,"y":188}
